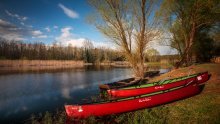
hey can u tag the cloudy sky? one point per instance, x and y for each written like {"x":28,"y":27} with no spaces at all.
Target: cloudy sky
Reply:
{"x":47,"y":21}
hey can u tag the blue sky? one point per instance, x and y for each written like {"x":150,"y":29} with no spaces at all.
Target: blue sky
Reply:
{"x":47,"y":21}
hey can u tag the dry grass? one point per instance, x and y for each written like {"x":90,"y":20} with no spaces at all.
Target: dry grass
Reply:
{"x":213,"y":69}
{"x":23,"y":63}
{"x":10,"y":66}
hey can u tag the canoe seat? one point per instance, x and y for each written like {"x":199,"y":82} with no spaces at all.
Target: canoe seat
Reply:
{"x":123,"y":83}
{"x":135,"y":81}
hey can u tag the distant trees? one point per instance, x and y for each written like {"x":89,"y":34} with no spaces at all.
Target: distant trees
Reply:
{"x":127,"y":23}
{"x":153,"y":55}
{"x":186,"y":20}
{"x":39,"y":51}
{"x":88,"y":51}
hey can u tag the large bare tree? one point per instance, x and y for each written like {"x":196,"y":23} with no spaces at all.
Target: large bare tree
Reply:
{"x":129,"y":24}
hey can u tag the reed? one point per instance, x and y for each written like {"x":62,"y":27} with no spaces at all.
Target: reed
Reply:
{"x":15,"y":66}
{"x":39,"y":63}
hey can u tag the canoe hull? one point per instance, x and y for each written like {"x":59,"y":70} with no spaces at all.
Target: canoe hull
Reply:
{"x":101,"y":109}
{"x":118,"y":93}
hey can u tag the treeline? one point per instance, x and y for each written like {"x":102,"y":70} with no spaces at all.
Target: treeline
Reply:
{"x":15,"y":50}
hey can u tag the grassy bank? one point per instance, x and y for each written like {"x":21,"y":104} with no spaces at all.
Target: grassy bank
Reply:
{"x":203,"y":108}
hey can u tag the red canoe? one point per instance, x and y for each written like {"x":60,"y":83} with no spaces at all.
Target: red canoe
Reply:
{"x":132,"y":103}
{"x":135,"y":91}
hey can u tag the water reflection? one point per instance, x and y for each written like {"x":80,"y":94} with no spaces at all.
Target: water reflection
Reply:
{"x":24,"y":94}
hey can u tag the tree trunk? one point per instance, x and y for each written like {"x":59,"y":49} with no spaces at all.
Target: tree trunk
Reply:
{"x":139,"y":70}
{"x":186,"y":56}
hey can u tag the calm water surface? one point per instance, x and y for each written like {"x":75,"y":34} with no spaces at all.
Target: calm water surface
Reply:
{"x":23,"y":94}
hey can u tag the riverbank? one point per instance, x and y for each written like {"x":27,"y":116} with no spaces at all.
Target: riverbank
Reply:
{"x":72,"y":63}
{"x":39,"y":63}
{"x":23,"y":66}
{"x":203,"y":108}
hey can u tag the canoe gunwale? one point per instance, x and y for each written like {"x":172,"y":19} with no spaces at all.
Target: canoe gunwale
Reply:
{"x":155,"y":83}
{"x":139,"y":96}
{"x":163,"y":91}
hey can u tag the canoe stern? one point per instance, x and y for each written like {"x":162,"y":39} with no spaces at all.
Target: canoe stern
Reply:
{"x":73,"y":110}
{"x":203,"y":77}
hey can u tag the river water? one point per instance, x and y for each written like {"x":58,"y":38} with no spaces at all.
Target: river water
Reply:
{"x":24,"y":94}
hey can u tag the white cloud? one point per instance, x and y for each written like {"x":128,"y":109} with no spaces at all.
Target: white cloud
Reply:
{"x":4,"y":23}
{"x":70,"y":13}
{"x":162,"y":49}
{"x":9,"y":31}
{"x":42,"y":36}
{"x":38,"y":34}
{"x":67,"y":38}
{"x":47,"y":29}
{"x":21,"y":18}
{"x":30,"y":26}
{"x":24,"y":18}
{"x":22,"y":23}
{"x":66,"y":32}
{"x":13,"y":36}
{"x":55,"y":27}
{"x":165,"y":50}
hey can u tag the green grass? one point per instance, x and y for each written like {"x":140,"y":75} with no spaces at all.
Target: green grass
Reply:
{"x":203,"y":108}
{"x":47,"y":118}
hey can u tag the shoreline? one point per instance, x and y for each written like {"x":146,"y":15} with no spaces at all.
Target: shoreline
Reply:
{"x":39,"y":63}
{"x":22,"y":66}
{"x":196,"y":107}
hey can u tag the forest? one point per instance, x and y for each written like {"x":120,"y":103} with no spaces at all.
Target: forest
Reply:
{"x":18,"y":50}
